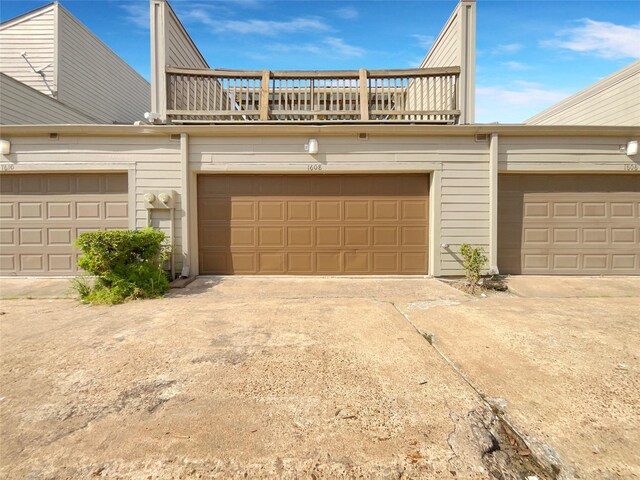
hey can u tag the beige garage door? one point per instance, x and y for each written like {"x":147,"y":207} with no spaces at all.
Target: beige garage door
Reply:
{"x":569,"y":224}
{"x":42,"y":214}
{"x":313,"y":225}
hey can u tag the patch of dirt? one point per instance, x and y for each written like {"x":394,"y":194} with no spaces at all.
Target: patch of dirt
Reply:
{"x":486,"y":286}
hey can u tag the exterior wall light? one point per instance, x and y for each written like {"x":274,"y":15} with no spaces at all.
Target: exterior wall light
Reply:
{"x":312,"y":146}
{"x":149,"y":197}
{"x":632,"y":148}
{"x":5,"y":147}
{"x":164,"y":197}
{"x":152,"y":117}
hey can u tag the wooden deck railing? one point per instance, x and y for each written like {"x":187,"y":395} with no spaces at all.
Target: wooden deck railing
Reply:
{"x":213,"y":96}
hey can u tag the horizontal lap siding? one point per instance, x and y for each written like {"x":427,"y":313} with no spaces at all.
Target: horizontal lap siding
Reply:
{"x":147,"y":156}
{"x":464,"y":201}
{"x":614,"y":101}
{"x":181,"y":52}
{"x":579,"y":154}
{"x":94,"y":79}
{"x":35,"y":36}
{"x":445,"y":52}
{"x":22,"y":105}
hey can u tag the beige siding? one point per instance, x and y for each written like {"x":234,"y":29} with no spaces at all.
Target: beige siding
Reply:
{"x":94,"y":79}
{"x":445,"y":51}
{"x":454,"y":47}
{"x":32,"y":33}
{"x":564,"y":154}
{"x":22,"y":105}
{"x":180,"y":49}
{"x":615,"y":100}
{"x":463,"y":208}
{"x":152,"y":162}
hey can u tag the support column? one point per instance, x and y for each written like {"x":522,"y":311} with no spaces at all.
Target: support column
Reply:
{"x":185,"y":194}
{"x":493,"y":204}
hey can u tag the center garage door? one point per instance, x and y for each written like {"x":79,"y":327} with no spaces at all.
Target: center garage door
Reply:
{"x":41,"y":215}
{"x":313,"y":224}
{"x":569,"y":224}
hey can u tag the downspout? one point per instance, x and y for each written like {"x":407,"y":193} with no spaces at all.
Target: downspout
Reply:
{"x":184,"y":203}
{"x":493,"y":204}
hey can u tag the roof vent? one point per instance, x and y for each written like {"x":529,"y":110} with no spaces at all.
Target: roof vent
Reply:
{"x":482,"y":137}
{"x":175,"y":136}
{"x":53,"y":136}
{"x":363,"y":136}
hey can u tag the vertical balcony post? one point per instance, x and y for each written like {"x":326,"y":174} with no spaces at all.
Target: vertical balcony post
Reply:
{"x":364,"y":94}
{"x":264,"y":95}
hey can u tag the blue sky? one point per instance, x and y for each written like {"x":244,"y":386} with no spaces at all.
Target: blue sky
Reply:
{"x":530,"y":54}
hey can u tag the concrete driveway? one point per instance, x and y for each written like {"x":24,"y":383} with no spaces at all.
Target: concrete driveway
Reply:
{"x":565,"y":356}
{"x":322,"y":378}
{"x":233,"y":378}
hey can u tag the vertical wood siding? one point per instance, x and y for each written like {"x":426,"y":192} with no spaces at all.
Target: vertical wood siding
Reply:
{"x":94,"y":79}
{"x":33,"y":34}
{"x":22,"y":105}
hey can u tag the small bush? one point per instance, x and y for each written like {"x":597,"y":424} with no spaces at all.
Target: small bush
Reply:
{"x":474,"y":262}
{"x":127,"y":265}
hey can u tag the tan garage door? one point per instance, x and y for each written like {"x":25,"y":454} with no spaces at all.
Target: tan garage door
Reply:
{"x":42,"y":214}
{"x":569,"y":224}
{"x":313,"y":225}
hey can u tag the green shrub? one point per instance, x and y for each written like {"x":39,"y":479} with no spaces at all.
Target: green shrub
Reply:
{"x":474,"y":262}
{"x":127,"y":265}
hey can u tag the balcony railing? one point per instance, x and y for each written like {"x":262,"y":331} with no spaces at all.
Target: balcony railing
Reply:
{"x":221,"y":96}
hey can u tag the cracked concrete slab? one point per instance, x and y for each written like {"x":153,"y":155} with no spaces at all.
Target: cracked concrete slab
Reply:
{"x":231,"y":378}
{"x":568,"y":367}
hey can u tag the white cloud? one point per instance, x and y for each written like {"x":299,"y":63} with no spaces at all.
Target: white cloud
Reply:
{"x":514,"y":104}
{"x":517,"y":66}
{"x":254,"y":26}
{"x":138,"y":14}
{"x":347,"y":13}
{"x":328,"y":47}
{"x":342,"y":49}
{"x":603,"y":39}
{"x":424,"y":41}
{"x":507,"y":48}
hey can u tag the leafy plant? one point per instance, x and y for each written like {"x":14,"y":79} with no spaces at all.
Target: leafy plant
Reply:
{"x":474,"y":262}
{"x":127,"y":265}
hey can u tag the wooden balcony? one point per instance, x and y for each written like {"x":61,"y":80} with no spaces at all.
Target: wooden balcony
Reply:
{"x":223,"y":96}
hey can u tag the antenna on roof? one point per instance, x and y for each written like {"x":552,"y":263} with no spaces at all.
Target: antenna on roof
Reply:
{"x":39,"y":71}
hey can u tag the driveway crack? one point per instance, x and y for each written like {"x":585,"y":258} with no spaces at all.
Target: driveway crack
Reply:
{"x":523,"y":456}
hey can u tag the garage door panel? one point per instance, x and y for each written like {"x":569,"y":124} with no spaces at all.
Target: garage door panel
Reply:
{"x":589,"y":226}
{"x":300,"y":263}
{"x":327,"y":225}
{"x":43,"y":214}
